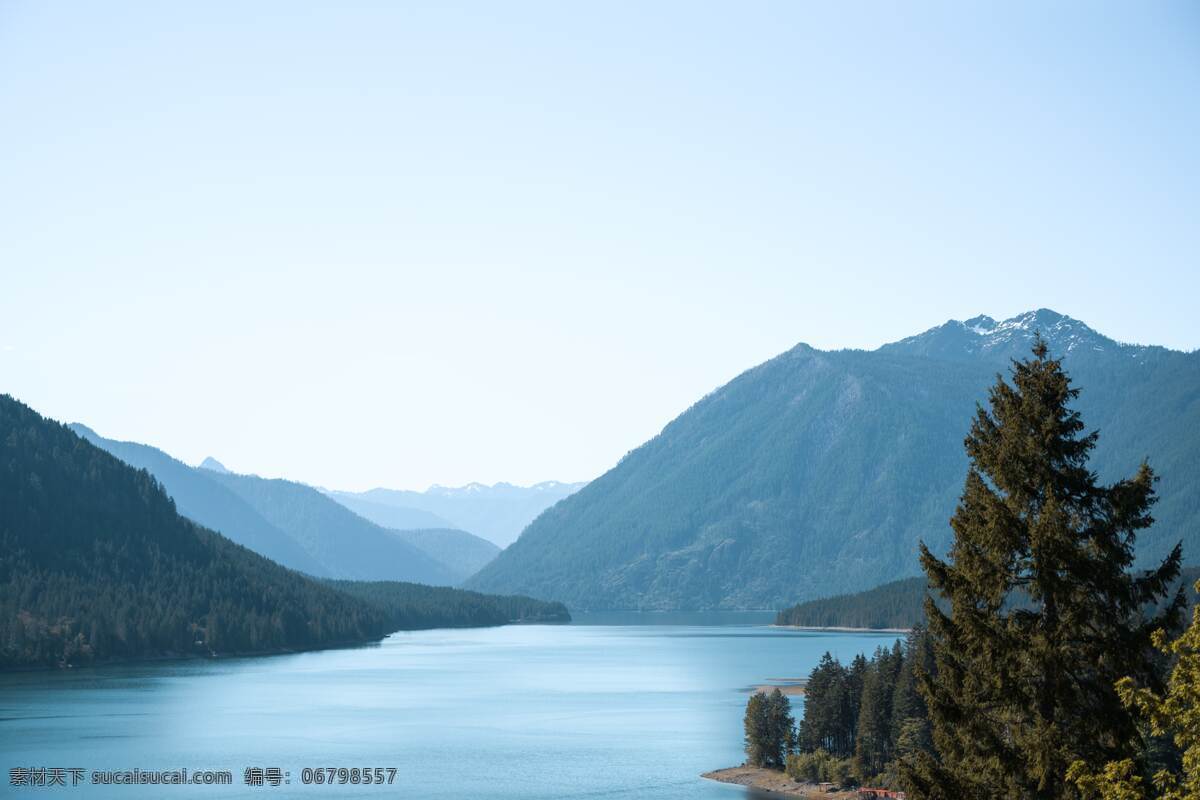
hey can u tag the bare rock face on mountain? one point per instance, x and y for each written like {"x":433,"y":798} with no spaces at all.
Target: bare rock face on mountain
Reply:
{"x":817,"y":473}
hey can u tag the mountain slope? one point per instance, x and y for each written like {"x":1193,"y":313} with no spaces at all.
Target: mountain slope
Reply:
{"x":396,"y":517}
{"x":497,"y":513}
{"x":288,"y":522}
{"x":462,"y":553}
{"x":96,"y":563}
{"x":209,"y":503}
{"x":817,"y":473}
{"x":345,"y":544}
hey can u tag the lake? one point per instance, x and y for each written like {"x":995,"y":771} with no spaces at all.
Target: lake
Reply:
{"x":612,"y":706}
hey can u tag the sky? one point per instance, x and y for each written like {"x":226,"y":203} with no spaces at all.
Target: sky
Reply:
{"x":395,"y":244}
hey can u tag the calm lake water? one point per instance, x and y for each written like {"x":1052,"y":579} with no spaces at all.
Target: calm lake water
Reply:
{"x":614,"y":706}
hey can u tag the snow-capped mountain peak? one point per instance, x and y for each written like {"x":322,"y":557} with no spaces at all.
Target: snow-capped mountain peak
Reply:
{"x":984,"y":337}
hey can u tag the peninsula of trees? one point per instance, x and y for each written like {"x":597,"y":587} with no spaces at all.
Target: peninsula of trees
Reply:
{"x":898,"y":604}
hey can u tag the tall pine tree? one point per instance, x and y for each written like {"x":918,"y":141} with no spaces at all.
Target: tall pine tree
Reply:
{"x":1045,"y":612}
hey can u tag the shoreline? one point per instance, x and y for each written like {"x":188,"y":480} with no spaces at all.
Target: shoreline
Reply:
{"x":839,"y":629}
{"x":344,"y":644}
{"x":772,"y":781}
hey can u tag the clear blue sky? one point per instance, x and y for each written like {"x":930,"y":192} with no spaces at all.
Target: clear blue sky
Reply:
{"x":394,"y":244}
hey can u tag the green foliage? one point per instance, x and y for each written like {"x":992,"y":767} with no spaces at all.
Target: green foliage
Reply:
{"x":769,"y":729}
{"x":96,"y":564}
{"x":1174,"y":712}
{"x":1023,"y":690}
{"x":859,"y":719}
{"x":819,"y":472}
{"x":819,"y":766}
{"x":875,"y":743}
{"x":832,"y":697}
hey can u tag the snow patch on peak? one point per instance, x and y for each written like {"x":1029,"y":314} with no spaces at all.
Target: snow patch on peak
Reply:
{"x":983,"y":336}
{"x":982,"y":325}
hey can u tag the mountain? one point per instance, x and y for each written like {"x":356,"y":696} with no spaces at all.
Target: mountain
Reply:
{"x":213,"y":465}
{"x":202,"y":499}
{"x":817,"y":473}
{"x":342,"y":542}
{"x":461,"y":553}
{"x":497,"y":513}
{"x":97,"y":564}
{"x":288,"y":522}
{"x":395,"y":517}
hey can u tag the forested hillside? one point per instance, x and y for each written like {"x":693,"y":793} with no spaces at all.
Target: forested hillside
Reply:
{"x":97,"y":564}
{"x":819,"y":472}
{"x":897,"y":604}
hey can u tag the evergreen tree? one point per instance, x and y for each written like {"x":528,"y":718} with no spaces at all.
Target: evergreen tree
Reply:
{"x":755,"y":725}
{"x":910,"y":732}
{"x":782,"y":727}
{"x":851,"y":702}
{"x":770,"y":729}
{"x":874,"y":743}
{"x":1023,"y":690}
{"x":825,"y":726}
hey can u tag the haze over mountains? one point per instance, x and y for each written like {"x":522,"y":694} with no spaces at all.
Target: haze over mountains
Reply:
{"x":497,"y":513}
{"x":288,"y":522}
{"x":817,"y":473}
{"x":340,"y":534}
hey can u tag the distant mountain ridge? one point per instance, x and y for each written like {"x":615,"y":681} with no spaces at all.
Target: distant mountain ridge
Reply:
{"x":400,"y":518}
{"x":497,"y":513}
{"x":206,"y":501}
{"x":290,"y":523}
{"x":816,"y":473}
{"x":461,"y":553}
{"x":984,"y":337}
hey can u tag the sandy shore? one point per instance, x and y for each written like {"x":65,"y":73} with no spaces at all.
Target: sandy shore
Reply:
{"x":774,"y":781}
{"x":789,"y":686}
